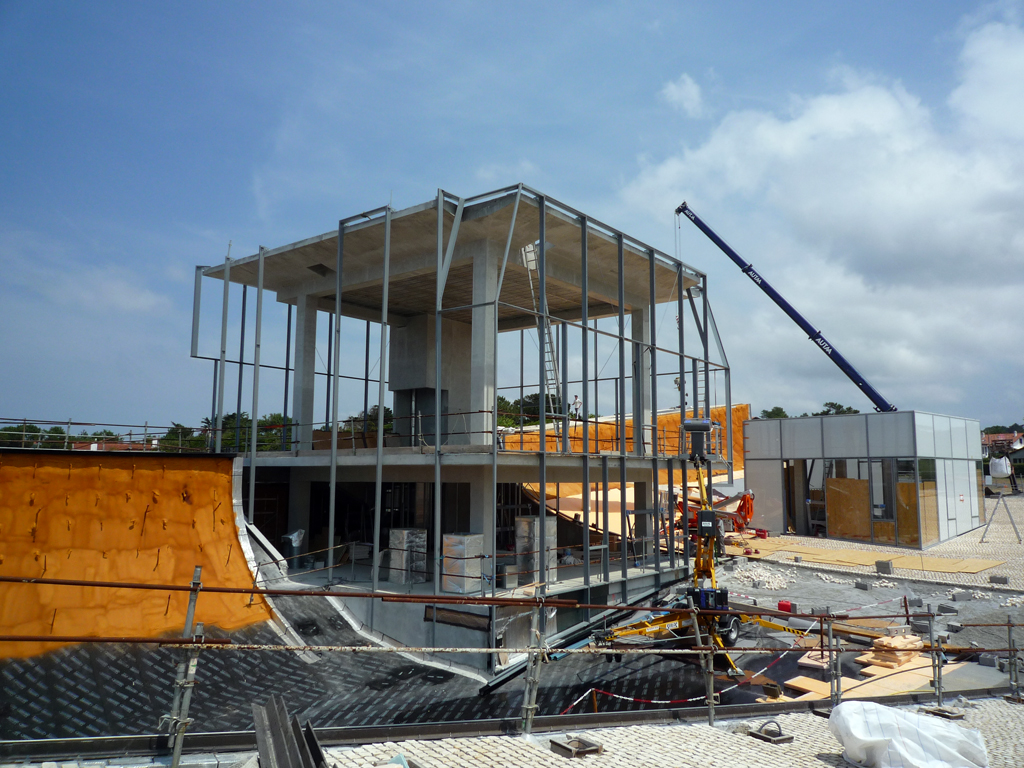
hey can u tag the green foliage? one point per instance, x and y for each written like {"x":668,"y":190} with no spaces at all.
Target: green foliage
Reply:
{"x":20,"y":436}
{"x":356,"y":422}
{"x":1000,"y":430}
{"x":775,"y":413}
{"x":508,"y":416}
{"x":531,"y":408}
{"x":182,"y":438}
{"x":31,"y":436}
{"x":835,"y":409}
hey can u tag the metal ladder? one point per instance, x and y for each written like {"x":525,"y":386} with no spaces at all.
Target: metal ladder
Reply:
{"x":551,"y":381}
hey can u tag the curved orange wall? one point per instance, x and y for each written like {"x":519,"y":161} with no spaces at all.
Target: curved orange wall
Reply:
{"x":138,"y":517}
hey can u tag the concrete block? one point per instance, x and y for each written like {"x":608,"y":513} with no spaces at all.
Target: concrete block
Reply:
{"x":884,"y":567}
{"x":899,"y":629}
{"x":793,"y":608}
{"x":961,"y":597}
{"x":954,"y":626}
{"x":998,"y":579}
{"x":796,"y":558}
{"x":865,"y":585}
{"x":919,"y":627}
{"x":946,"y":608}
{"x":758,"y":584}
{"x":460,"y":568}
{"x":408,"y":555}
{"x":915,"y":602}
{"x":729,"y":567}
{"x":942,"y":637}
{"x":1003,"y":665}
{"x":987,"y":659}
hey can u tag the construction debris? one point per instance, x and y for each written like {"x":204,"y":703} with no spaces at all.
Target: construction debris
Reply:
{"x":893,"y":652}
{"x":770,"y":579}
{"x":834,"y":579}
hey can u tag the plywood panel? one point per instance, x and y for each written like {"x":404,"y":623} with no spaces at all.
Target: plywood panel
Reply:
{"x":929,"y":513}
{"x":906,"y":515}
{"x":848,"y":507}
{"x":885,"y":532}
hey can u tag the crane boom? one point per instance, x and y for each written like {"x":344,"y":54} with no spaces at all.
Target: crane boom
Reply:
{"x":881,"y":404}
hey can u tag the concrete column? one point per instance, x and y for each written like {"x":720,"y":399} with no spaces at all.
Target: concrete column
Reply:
{"x":641,"y":327}
{"x":305,"y":368}
{"x":481,"y":511}
{"x":485,"y":283}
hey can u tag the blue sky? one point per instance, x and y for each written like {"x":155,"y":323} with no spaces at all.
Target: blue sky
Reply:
{"x":867,"y":157}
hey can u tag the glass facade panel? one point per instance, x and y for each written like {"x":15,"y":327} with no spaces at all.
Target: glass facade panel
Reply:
{"x":925,"y":434}
{"x":928,"y":502}
{"x":982,"y":517}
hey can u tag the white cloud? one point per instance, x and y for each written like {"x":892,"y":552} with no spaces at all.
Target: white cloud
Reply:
{"x":55,"y":273}
{"x":990,"y":98}
{"x":898,"y":237}
{"x":505,"y":173}
{"x":684,"y":94}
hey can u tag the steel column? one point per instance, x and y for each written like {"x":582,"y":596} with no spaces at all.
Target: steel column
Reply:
{"x":542,"y":322}
{"x":585,"y":422}
{"x":196,"y":309}
{"x":256,"y":386}
{"x":605,"y":541}
{"x":381,"y":378}
{"x":219,"y":426}
{"x":241,"y":369}
{"x":366,"y":380}
{"x":439,"y":295}
{"x":707,"y":368}
{"x":285,"y":443}
{"x":333,"y":491}
{"x":684,"y":490}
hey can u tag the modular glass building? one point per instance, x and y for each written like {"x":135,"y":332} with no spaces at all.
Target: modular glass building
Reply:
{"x":908,"y":478}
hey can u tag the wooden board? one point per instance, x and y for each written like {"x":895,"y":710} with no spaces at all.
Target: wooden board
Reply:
{"x":873,"y":661}
{"x":813,"y":660}
{"x":810,"y":685}
{"x":872,"y":668}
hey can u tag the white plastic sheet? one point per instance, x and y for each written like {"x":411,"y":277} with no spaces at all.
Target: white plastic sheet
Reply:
{"x":877,"y":736}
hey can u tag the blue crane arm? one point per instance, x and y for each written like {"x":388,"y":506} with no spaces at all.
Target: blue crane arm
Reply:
{"x":881,"y":404}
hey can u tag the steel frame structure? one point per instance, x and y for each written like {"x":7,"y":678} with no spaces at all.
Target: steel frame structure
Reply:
{"x":690,"y":287}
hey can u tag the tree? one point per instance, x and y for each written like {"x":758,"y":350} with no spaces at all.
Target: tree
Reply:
{"x":20,"y":436}
{"x":371,"y":420}
{"x":835,"y":409}
{"x":775,"y":413}
{"x":531,"y":408}
{"x":269,"y":430}
{"x":182,"y":438}
{"x":508,"y":415}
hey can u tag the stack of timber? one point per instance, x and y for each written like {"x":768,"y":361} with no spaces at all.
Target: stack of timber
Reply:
{"x":893,"y":652}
